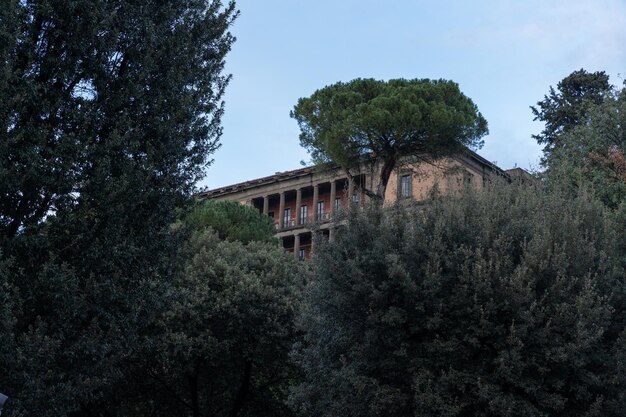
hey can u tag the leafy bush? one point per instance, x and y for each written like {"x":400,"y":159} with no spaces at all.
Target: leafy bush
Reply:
{"x":507,"y":302}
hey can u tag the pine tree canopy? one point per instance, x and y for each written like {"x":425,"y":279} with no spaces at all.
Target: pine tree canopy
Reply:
{"x":365,"y":120}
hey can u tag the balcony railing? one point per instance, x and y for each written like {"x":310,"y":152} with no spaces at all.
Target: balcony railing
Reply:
{"x":321,"y":217}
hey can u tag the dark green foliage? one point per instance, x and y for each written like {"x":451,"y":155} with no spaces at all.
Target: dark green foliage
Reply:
{"x":567,"y":107}
{"x":8,"y":314}
{"x":594,"y":155}
{"x":507,"y":302}
{"x":221,"y":347}
{"x":93,"y":90}
{"x":585,"y":136}
{"x":231,"y":221}
{"x":224,"y":343}
{"x":108,"y":112}
{"x":365,"y":120}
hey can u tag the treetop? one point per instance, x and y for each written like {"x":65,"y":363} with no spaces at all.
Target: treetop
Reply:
{"x":367,"y":116}
{"x":348,"y":123}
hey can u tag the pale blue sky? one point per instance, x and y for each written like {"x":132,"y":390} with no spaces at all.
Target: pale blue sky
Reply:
{"x":503,"y":54}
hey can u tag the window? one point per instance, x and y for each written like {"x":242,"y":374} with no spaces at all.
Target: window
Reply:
{"x":356,"y":197}
{"x":287,"y":217}
{"x":467,"y":178}
{"x":304,"y":214}
{"x":405,"y":185}
{"x":320,"y":210}
{"x":337,"y":204}
{"x":270,"y":214}
{"x":301,"y":254}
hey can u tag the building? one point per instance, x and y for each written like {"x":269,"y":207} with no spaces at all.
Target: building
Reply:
{"x":298,"y":199}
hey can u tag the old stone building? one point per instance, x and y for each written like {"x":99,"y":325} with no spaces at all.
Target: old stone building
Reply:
{"x":301,"y":198}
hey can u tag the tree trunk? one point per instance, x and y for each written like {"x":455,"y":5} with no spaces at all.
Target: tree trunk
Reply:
{"x":243,"y":390}
{"x":385,"y":172}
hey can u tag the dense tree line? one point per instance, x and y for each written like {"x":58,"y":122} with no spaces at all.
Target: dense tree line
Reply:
{"x":121,"y":296}
{"x":506,"y":302}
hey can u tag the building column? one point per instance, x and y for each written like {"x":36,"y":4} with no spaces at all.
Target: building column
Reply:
{"x":331,"y":234}
{"x":281,"y":210}
{"x":361,"y":194}
{"x":298,"y":204}
{"x":266,"y":204}
{"x":296,"y":245}
{"x":333,"y":196}
{"x":364,"y":184}
{"x":350,"y":191}
{"x":316,"y":196}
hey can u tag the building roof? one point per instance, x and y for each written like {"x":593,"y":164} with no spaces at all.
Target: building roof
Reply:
{"x":281,"y":176}
{"x":270,"y":179}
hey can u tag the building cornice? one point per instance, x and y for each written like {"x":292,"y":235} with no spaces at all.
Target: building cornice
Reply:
{"x":307,"y":171}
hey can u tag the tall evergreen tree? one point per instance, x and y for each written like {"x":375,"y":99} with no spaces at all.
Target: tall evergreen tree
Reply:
{"x":584,"y":135}
{"x":567,"y":107}
{"x":109,"y":111}
{"x":594,"y":155}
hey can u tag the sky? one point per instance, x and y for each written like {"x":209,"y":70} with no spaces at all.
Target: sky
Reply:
{"x":504,"y":54}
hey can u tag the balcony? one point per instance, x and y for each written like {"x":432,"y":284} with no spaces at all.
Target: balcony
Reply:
{"x":288,"y":224}
{"x":323,"y":217}
{"x":292,"y":223}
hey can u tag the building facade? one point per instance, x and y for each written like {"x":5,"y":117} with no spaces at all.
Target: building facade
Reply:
{"x":300,"y":199}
